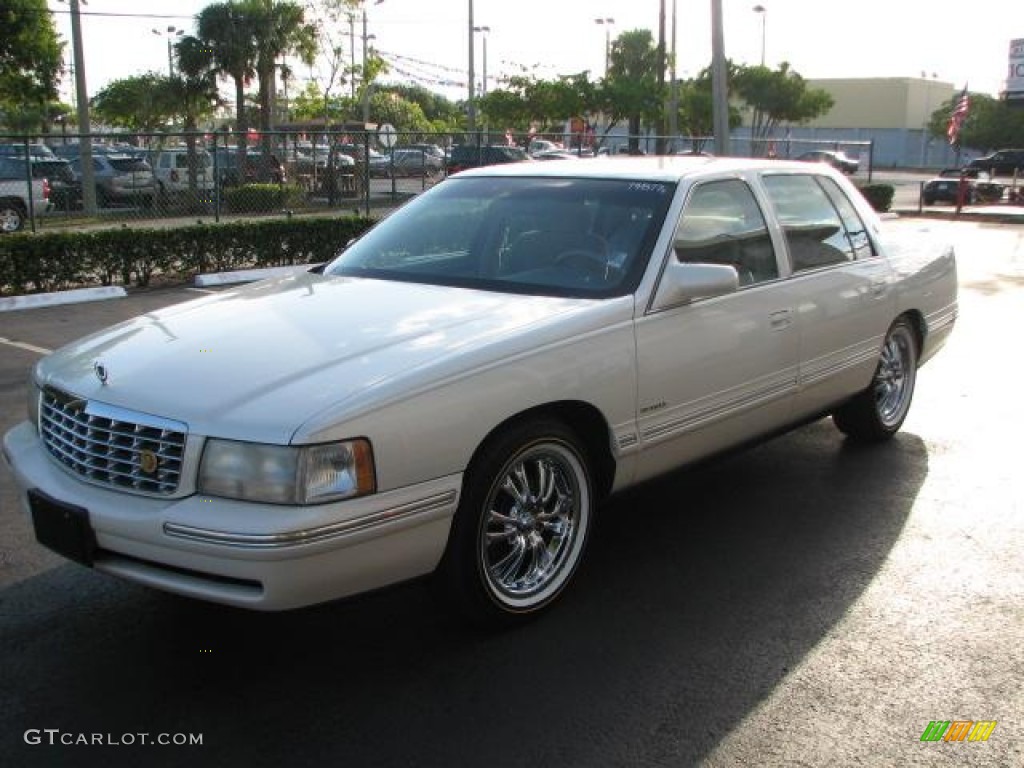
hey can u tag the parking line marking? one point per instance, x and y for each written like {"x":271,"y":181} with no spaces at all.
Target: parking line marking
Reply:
{"x":201,"y":290}
{"x":26,"y":347}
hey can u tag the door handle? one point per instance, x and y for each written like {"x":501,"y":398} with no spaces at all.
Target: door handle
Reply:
{"x":781,"y":319}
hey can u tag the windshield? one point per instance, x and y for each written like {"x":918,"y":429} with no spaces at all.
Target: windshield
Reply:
{"x":561,"y":237}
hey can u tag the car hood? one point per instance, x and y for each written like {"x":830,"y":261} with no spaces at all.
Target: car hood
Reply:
{"x":257,"y":362}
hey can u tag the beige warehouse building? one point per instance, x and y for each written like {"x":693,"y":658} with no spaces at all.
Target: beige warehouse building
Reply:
{"x":891,"y":112}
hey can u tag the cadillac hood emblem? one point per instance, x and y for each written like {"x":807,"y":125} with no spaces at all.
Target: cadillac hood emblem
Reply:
{"x":101,"y":372}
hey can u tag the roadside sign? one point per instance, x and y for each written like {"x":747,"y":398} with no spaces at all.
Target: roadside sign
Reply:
{"x":387,"y":135}
{"x":1015,"y":74}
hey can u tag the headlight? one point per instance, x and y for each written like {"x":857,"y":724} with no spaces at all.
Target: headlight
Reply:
{"x":284,"y":474}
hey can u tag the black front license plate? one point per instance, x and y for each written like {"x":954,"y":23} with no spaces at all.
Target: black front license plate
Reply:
{"x":64,"y":528}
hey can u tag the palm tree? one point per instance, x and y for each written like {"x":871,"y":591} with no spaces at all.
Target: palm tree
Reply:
{"x":226,"y":28}
{"x":196,"y":91}
{"x":281,"y":29}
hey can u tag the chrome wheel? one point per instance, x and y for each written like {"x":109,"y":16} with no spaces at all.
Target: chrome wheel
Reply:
{"x":522,"y":524}
{"x":533,"y":523}
{"x":878,"y":411}
{"x":894,"y":380}
{"x":11,"y":218}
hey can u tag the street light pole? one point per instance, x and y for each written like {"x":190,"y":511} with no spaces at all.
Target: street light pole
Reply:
{"x":763,"y":12}
{"x":171,"y":33}
{"x":606,"y":22}
{"x":471,"y":93}
{"x":673,"y":99}
{"x":484,"y":31}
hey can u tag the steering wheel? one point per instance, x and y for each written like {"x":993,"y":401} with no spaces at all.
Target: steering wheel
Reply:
{"x":589,"y":261}
{"x":592,"y":260}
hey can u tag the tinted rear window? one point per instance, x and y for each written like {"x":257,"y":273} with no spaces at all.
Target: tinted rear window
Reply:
{"x":128,"y":164}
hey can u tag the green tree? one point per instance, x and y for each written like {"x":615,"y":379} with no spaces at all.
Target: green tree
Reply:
{"x":31,"y":59}
{"x":280,"y":29}
{"x":631,"y":91}
{"x":312,"y":103}
{"x":776,"y":96}
{"x":402,"y":114}
{"x":144,"y":102}
{"x":436,"y":108}
{"x":696,"y":117}
{"x":528,"y":102}
{"x":194,"y":90}
{"x":990,"y":124}
{"x":228,"y":32}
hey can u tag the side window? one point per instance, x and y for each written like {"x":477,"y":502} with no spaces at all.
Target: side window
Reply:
{"x":722,"y":224}
{"x":814,"y":231}
{"x":856,"y":230}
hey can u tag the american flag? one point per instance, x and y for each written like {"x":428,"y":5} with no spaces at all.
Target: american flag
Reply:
{"x":959,"y":114}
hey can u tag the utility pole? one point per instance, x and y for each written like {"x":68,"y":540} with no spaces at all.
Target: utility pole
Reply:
{"x":719,"y":81}
{"x":471,"y":112}
{"x":659,"y":142}
{"x":673,"y":98}
{"x":366,"y":83}
{"x":82,"y":96}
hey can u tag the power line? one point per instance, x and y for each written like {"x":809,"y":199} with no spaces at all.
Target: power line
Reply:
{"x":123,"y":15}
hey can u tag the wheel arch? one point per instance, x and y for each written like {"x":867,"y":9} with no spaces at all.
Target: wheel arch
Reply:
{"x":585,"y":420}
{"x":918,"y":325}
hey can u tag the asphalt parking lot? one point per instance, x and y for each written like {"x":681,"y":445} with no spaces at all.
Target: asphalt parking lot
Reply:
{"x":803,"y":603}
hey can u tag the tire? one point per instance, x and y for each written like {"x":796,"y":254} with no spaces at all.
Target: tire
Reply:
{"x":521,"y":527}
{"x":12,"y":216}
{"x":877,"y":413}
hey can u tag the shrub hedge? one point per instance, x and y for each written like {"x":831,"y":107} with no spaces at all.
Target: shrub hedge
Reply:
{"x":53,"y":261}
{"x":261,"y":198}
{"x":878,"y":195}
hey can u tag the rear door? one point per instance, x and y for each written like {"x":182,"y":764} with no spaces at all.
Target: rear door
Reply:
{"x":846,"y":301}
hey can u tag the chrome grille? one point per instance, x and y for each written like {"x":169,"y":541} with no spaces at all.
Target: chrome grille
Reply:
{"x":113,"y":446}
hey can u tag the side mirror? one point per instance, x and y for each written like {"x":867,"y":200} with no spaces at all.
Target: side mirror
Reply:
{"x":682,"y":283}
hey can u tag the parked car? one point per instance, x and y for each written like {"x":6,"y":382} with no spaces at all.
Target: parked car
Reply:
{"x":19,"y":194}
{"x":537,"y":146}
{"x":457,"y":391}
{"x":838,"y":160}
{"x":406,"y":162}
{"x":944,"y":187}
{"x":120,"y":180}
{"x":171,"y":168}
{"x":35,"y":150}
{"x":65,"y":188}
{"x":555,"y":154}
{"x":65,"y":191}
{"x":465,"y":156}
{"x":431,"y":149}
{"x":257,"y":168}
{"x":1002,"y":162}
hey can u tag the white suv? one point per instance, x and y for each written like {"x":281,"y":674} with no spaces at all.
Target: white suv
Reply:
{"x":171,"y":169}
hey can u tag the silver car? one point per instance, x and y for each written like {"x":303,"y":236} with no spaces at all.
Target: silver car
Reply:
{"x":120,"y":180}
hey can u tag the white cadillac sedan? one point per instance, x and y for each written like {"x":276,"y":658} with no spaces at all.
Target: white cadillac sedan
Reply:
{"x":459,"y":388}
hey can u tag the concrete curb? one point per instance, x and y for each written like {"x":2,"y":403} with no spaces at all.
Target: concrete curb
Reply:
{"x":249,"y":275}
{"x":75,"y":296}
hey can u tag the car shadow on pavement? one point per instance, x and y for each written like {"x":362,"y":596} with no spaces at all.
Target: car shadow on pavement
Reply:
{"x":700,"y":593}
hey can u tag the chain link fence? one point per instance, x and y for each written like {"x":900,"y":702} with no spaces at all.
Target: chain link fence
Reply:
{"x":168,"y":179}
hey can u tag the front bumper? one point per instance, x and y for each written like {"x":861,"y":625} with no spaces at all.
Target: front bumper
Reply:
{"x":258,"y":556}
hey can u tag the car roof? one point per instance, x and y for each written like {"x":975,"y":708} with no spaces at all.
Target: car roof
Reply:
{"x":650,"y":168}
